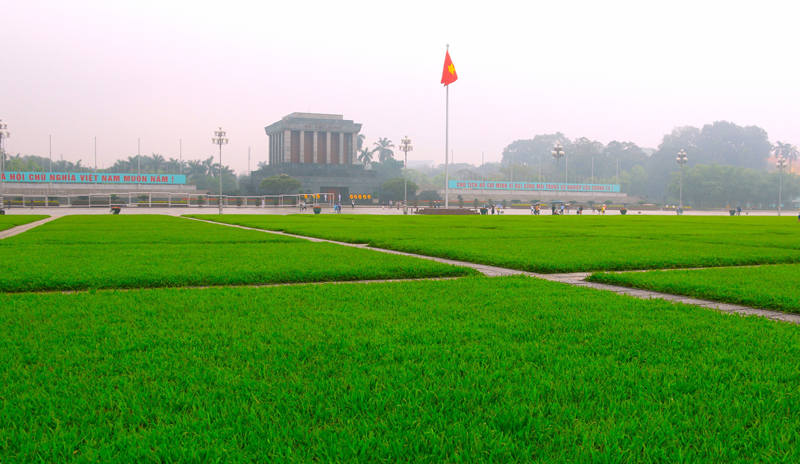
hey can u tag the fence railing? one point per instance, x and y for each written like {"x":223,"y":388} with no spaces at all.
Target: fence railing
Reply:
{"x":165,"y":200}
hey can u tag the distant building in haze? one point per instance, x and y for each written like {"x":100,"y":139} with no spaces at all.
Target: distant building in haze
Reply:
{"x":320,"y":151}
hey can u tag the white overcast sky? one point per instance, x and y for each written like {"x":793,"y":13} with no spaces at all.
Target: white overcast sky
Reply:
{"x":169,"y":70}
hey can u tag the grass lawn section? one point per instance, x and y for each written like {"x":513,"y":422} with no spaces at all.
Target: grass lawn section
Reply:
{"x":10,"y":221}
{"x":558,"y":243}
{"x":767,"y":287}
{"x":110,"y":251}
{"x":472,"y":370}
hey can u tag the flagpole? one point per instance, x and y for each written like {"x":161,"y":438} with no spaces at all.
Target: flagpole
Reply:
{"x":447,"y":144}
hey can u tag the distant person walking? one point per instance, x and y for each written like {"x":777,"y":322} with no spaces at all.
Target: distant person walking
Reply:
{"x":739,"y":210}
{"x":603,"y":210}
{"x":533,"y":209}
{"x":353,"y":202}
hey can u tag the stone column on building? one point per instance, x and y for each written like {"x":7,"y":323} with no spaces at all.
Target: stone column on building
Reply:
{"x":341,"y":148}
{"x":353,"y":148}
{"x":302,"y":145}
{"x":328,"y":147}
{"x":316,"y":144}
{"x":287,"y":146}
{"x":279,"y":147}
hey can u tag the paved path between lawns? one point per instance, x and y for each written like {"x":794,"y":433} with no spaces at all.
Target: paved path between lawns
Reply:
{"x":24,"y":228}
{"x":575,"y":278}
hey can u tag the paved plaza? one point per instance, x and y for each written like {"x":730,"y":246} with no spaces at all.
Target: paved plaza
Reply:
{"x":347,"y":209}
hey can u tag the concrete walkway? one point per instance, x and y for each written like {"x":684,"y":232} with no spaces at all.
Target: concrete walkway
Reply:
{"x":576,"y":279}
{"x":23,"y":228}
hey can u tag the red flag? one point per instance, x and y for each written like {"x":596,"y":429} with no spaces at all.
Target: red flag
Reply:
{"x":449,"y":74}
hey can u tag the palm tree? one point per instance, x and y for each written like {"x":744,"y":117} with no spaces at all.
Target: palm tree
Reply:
{"x":262,"y":165}
{"x":173,"y":166}
{"x":383,"y":146}
{"x":361,"y":138}
{"x":783,"y":149}
{"x":792,"y":153}
{"x":119,"y":166}
{"x":133,"y":161}
{"x":156,"y":160}
{"x":197,"y":167}
{"x":366,"y":155}
{"x":209,"y":165}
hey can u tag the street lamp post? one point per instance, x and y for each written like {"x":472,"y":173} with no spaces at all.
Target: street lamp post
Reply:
{"x":4,"y":134}
{"x":219,"y":139}
{"x":781,"y":165}
{"x":682,"y":159}
{"x":405,"y":147}
{"x":558,"y":153}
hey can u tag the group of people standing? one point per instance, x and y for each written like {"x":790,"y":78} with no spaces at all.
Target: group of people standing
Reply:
{"x":561,"y":209}
{"x":391,"y":203}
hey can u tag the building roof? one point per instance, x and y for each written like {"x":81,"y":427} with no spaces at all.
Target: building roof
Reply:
{"x":313,"y":122}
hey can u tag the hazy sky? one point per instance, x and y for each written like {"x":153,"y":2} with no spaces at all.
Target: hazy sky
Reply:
{"x":171,"y":70}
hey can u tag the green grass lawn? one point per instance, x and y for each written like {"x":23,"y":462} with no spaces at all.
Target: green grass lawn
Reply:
{"x":469,"y":370}
{"x":558,"y":243}
{"x":8,"y":221}
{"x":85,"y":252}
{"x":767,"y":287}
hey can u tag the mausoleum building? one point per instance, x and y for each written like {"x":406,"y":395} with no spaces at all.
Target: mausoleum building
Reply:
{"x":319,"y":150}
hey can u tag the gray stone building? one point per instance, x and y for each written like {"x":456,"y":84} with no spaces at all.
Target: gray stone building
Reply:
{"x":319,"y":150}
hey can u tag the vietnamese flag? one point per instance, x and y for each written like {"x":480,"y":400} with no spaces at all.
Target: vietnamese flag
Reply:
{"x":449,"y":74}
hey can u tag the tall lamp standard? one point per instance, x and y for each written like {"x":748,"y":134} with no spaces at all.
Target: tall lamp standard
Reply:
{"x":682,"y":159}
{"x":4,"y":134}
{"x":781,"y":165}
{"x":219,"y":139}
{"x":558,"y":153}
{"x":405,"y":147}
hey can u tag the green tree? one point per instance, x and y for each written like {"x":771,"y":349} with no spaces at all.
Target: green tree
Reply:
{"x":16,"y":164}
{"x":156,"y":161}
{"x":635,"y":181}
{"x":393,"y":189}
{"x":628,"y":154}
{"x":230,"y":185}
{"x":389,"y":168}
{"x":280,"y":185}
{"x":383,"y":147}
{"x":787,"y":150}
{"x":726,"y":143}
{"x":531,"y":151}
{"x":365,"y":155}
{"x":715,"y":186}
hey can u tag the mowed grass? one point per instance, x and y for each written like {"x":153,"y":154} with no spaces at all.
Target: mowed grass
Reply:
{"x":8,"y":221}
{"x":551,"y":244}
{"x":470,"y":370}
{"x":766,"y":287}
{"x":109,"y":251}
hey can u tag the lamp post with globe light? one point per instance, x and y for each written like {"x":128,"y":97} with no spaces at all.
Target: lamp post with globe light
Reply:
{"x":4,"y":134}
{"x":220,"y":139}
{"x":682,"y":159}
{"x":405,"y":147}
{"x":781,"y":165}
{"x":558,"y":153}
